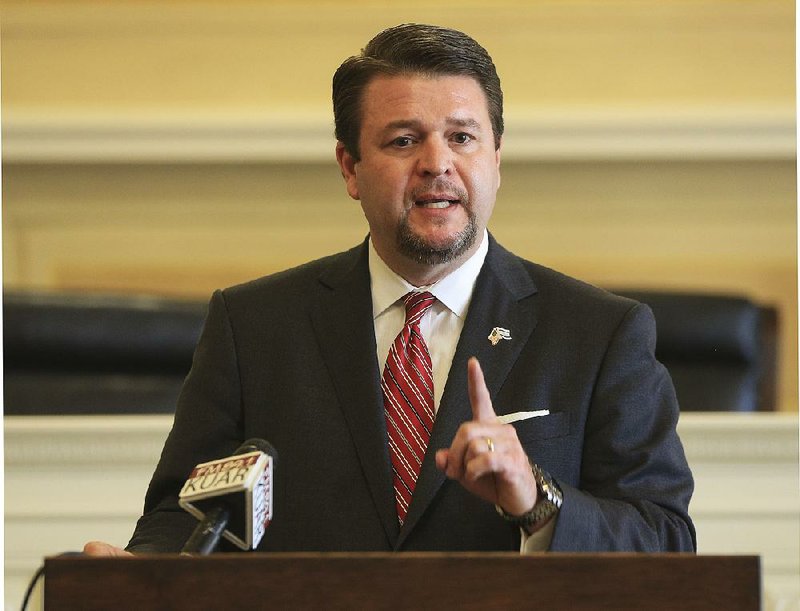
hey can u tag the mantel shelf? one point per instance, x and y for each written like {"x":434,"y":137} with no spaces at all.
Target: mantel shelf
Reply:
{"x":530,"y":136}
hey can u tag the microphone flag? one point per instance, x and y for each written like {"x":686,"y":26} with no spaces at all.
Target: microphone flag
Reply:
{"x":244,"y":484}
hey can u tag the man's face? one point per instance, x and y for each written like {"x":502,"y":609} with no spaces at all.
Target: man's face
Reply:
{"x":428,"y":173}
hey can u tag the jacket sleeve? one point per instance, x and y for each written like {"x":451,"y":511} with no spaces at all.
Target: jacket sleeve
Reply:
{"x":207,"y":426}
{"x":635,"y":482}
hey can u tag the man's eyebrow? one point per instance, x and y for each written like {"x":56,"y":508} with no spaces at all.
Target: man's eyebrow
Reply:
{"x":414,"y":124}
{"x":401,"y":124}
{"x":470,"y":123}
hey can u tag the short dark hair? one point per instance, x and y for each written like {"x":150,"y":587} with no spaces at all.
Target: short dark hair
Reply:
{"x":412,"y":48}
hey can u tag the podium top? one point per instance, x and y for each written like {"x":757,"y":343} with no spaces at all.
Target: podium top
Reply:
{"x":405,"y":580}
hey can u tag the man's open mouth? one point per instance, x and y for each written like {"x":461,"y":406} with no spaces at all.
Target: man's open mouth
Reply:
{"x":437,"y":204}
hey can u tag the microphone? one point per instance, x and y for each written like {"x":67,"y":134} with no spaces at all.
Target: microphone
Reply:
{"x":232,"y":498}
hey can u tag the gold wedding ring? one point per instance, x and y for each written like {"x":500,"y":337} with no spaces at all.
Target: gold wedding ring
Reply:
{"x":490,"y":444}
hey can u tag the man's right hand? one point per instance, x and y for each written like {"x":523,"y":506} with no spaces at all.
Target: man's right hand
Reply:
{"x":99,"y":548}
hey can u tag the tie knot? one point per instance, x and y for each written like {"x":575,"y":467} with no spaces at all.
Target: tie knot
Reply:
{"x":416,"y":305}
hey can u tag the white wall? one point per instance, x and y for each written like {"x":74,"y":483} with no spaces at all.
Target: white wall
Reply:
{"x":71,"y":479}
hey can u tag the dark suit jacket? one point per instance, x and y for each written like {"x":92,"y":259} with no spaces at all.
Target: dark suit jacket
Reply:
{"x":291,"y":358}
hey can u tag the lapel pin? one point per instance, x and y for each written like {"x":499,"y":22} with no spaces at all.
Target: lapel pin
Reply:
{"x":497,"y":334}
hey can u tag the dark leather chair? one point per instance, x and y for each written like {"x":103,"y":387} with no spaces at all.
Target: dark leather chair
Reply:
{"x":90,"y":354}
{"x":94,"y":354}
{"x":720,"y":350}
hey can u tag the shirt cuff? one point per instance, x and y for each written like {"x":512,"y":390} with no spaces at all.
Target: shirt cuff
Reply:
{"x":538,"y":541}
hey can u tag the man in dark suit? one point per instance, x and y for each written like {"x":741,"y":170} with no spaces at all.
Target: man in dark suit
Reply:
{"x":560,"y":432}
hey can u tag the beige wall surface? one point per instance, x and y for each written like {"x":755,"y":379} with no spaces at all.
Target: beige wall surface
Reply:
{"x":176,"y":147}
{"x":279,"y":56}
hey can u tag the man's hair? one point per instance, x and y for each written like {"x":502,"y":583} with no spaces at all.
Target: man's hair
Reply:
{"x":409,"y":49}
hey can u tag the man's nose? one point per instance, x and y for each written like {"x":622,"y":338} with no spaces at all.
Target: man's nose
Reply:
{"x":436,"y":158}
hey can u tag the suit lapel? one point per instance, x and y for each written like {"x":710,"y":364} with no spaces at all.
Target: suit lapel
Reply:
{"x":500,"y":299}
{"x":345,"y":331}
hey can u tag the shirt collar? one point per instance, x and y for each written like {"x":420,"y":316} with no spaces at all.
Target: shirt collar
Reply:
{"x":454,"y":290}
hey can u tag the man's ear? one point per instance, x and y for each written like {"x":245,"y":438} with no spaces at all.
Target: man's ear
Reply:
{"x":347,"y":164}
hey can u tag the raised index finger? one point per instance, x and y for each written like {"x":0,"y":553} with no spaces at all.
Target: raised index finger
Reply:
{"x":482,"y":410}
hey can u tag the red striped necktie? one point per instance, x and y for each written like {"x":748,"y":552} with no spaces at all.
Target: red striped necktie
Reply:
{"x":407,"y":385}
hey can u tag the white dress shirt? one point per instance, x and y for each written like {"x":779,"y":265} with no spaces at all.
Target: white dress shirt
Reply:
{"x":441,"y":327}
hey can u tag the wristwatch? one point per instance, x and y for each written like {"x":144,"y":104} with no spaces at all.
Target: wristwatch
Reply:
{"x":548,"y":501}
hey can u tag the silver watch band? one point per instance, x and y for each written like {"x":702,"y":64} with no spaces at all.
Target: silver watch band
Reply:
{"x":548,"y":503}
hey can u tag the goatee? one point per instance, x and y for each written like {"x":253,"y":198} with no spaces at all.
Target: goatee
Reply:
{"x":413,"y":246}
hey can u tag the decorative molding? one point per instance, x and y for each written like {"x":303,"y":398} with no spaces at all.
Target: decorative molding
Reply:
{"x":653,"y":134}
{"x":85,"y":440}
{"x":726,"y":437}
{"x":540,"y":136}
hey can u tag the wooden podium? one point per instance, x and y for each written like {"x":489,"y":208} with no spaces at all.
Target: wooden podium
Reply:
{"x":439,"y":581}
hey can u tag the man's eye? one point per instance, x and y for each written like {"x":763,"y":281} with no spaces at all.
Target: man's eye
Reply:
{"x":462,"y":138}
{"x":402,"y":141}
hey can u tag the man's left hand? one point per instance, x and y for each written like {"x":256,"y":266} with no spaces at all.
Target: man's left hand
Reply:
{"x":486,"y":456}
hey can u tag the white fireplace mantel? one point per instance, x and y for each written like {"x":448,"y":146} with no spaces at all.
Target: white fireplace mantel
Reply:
{"x":70,"y":479}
